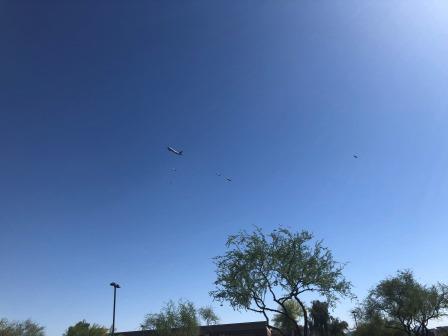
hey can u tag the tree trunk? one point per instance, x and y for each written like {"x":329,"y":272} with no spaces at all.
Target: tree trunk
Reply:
{"x":296,"y":332}
{"x":305,"y":322}
{"x":305,"y":317}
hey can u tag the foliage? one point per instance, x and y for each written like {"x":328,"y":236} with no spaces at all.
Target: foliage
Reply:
{"x":337,"y":327}
{"x":375,"y":326}
{"x":83,"y":328}
{"x":208,"y":315}
{"x":442,"y":331}
{"x":174,"y":320}
{"x":20,"y":328}
{"x":320,"y":317}
{"x":323,"y":324}
{"x":291,"y":308}
{"x":357,"y":314}
{"x":260,"y":272}
{"x":406,"y":304}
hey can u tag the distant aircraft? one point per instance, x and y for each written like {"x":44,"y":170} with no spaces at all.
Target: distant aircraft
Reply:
{"x":355,"y":156}
{"x":227,"y":179}
{"x":175,"y":151}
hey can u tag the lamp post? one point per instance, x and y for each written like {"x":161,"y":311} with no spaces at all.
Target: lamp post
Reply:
{"x":115,"y":286}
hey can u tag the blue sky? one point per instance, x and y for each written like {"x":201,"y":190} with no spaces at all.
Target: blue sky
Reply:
{"x":278,"y":95}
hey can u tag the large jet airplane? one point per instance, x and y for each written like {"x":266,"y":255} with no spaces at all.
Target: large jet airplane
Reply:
{"x":175,"y":151}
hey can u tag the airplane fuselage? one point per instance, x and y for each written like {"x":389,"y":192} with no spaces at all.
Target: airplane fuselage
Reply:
{"x":175,"y":151}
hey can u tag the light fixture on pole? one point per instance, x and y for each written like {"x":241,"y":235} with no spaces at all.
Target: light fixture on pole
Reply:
{"x":115,"y":286}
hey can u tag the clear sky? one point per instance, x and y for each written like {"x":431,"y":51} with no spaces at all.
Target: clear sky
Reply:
{"x":277,"y":95}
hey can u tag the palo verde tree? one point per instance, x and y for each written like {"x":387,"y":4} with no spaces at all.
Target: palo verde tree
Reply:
{"x":405,"y":304}
{"x":261,"y":272}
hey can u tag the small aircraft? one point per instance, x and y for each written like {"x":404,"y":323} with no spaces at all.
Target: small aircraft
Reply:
{"x":227,"y":178}
{"x":355,"y":156}
{"x":175,"y":151}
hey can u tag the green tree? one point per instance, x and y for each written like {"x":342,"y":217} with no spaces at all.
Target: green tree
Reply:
{"x":322,"y":323}
{"x":260,"y":272}
{"x":292,"y":309}
{"x":20,"y":328}
{"x":174,"y":320}
{"x":337,"y":327}
{"x":208,"y":315}
{"x":83,"y":328}
{"x":406,"y":305}
{"x":320,"y":317}
{"x":375,"y":326}
{"x":357,"y":314}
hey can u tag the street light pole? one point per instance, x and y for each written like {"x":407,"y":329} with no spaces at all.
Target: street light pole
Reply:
{"x":115,"y":286}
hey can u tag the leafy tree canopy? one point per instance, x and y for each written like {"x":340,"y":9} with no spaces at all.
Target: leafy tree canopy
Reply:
{"x":83,"y":328}
{"x":320,"y":317}
{"x":405,"y":304}
{"x":20,"y":328}
{"x":323,"y":324}
{"x":208,"y":315}
{"x":291,"y":308}
{"x":337,"y":327}
{"x":179,"y":319}
{"x":375,"y":326}
{"x":261,"y":272}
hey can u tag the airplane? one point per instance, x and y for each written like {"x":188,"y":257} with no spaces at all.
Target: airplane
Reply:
{"x":227,"y":178}
{"x":175,"y":151}
{"x":355,"y":156}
